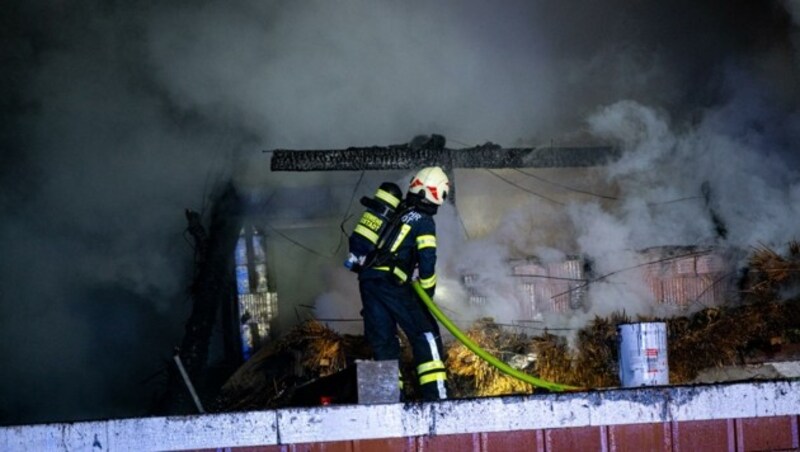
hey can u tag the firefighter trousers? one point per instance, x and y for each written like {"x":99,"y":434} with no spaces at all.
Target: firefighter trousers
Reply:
{"x":387,"y":305}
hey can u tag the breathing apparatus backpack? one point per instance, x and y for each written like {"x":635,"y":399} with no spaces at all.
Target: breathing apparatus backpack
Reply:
{"x":372,"y":226}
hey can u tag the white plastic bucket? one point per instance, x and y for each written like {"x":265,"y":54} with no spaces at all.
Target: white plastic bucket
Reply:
{"x":643,"y":354}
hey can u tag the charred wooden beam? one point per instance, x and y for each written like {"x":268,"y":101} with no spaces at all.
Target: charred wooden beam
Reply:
{"x":213,"y":280}
{"x":404,"y":157}
{"x":211,"y":287}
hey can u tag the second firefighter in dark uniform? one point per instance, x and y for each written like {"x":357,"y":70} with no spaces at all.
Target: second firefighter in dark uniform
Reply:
{"x":387,"y":297}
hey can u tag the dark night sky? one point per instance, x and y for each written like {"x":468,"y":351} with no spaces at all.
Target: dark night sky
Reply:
{"x":118,"y":115}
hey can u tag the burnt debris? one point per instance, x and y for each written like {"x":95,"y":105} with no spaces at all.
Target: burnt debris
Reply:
{"x":432,"y":152}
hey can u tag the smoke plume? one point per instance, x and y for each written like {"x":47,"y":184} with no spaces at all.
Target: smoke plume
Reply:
{"x":118,"y":115}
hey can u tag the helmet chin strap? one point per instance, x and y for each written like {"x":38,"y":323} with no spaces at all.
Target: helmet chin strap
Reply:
{"x":423,"y":205}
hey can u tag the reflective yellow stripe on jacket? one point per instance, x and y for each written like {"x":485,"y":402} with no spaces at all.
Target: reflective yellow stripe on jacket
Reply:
{"x":426,"y":241}
{"x":427,"y":283}
{"x":404,"y":230}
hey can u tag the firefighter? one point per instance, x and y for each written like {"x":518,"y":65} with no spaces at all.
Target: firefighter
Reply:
{"x":386,"y":294}
{"x":374,"y":220}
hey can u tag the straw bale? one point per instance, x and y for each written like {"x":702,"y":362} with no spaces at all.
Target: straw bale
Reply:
{"x":769,"y":271}
{"x":596,"y":360}
{"x":553,"y":359}
{"x":473,"y":373}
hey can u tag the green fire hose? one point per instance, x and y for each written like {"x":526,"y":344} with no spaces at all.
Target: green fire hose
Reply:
{"x":500,"y":365}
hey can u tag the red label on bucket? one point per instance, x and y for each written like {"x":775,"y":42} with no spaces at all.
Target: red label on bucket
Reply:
{"x":652,"y":360}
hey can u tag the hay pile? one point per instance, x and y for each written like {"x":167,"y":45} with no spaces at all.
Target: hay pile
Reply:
{"x":767,"y":318}
{"x":553,"y":360}
{"x":716,"y":337}
{"x":713,"y":337}
{"x":309,"y":351}
{"x":321,"y":349}
{"x":593,"y":364}
{"x":472,"y":376}
{"x":596,"y":361}
{"x":769,"y":272}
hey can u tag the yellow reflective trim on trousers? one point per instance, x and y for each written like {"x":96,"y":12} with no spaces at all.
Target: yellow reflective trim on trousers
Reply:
{"x":427,"y":283}
{"x":400,"y":237}
{"x":366,"y":233}
{"x":430,"y":365}
{"x":389,"y":198}
{"x":397,"y":272}
{"x":430,"y":378}
{"x":426,"y":241}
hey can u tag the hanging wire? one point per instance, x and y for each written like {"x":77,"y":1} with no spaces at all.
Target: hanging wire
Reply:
{"x":712,"y":286}
{"x":298,"y":244}
{"x":523,"y":188}
{"x":672,"y":201}
{"x":347,"y":215}
{"x":263,"y":205}
{"x":565,"y":187}
{"x":602,"y":277}
{"x":569,"y":188}
{"x":613,"y":198}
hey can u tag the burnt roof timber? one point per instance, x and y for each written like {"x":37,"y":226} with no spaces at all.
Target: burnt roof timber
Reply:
{"x":404,"y":157}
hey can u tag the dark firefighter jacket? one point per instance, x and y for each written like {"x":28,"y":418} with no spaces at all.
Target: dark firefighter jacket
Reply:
{"x":412,"y":245}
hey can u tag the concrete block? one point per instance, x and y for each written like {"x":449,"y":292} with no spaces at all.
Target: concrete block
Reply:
{"x":378,"y":382}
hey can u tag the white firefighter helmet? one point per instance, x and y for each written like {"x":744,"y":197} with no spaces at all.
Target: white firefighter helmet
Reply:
{"x":432,"y":183}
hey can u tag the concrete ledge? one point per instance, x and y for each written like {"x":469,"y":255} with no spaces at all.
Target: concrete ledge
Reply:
{"x":337,"y":423}
{"x":356,"y":422}
{"x":143,"y":434}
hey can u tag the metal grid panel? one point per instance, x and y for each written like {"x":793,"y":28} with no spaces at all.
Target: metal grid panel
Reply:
{"x":704,"y":278}
{"x":553,"y":287}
